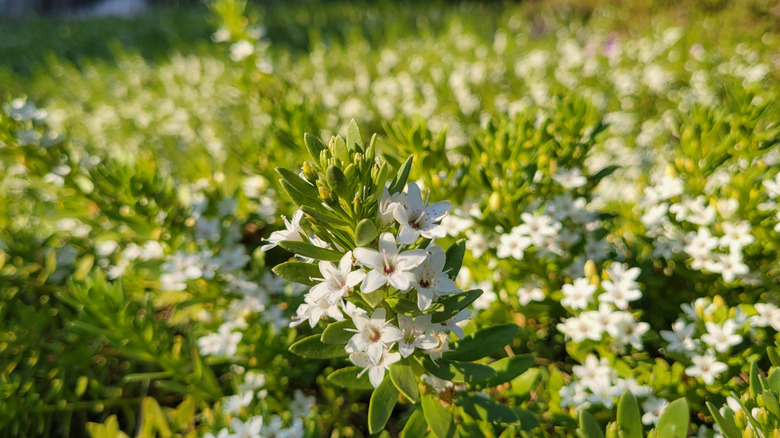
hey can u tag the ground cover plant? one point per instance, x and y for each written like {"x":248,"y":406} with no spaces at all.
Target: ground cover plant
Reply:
{"x":348,"y":219}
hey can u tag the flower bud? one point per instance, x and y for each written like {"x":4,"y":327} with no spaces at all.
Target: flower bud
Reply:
{"x":739,"y":419}
{"x":762,"y":416}
{"x":494,"y":203}
{"x":309,"y":173}
{"x":612,"y":430}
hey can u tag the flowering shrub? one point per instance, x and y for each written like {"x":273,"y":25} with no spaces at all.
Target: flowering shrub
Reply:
{"x":563,"y":227}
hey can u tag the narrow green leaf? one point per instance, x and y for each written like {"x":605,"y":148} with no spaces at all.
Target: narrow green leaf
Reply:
{"x":727,"y":427}
{"x":325,"y":217}
{"x":365,"y":232}
{"x":487,"y":409}
{"x":755,"y":382}
{"x":508,"y":368}
{"x":482,"y":343}
{"x":454,"y":258}
{"x":314,"y":145}
{"x":403,"y":378}
{"x":312,"y":347}
{"x":140,"y":377}
{"x":336,"y":333}
{"x":348,"y":378}
{"x":297,"y":183}
{"x":381,"y":405}
{"x":416,"y":426}
{"x":298,"y":272}
{"x":589,"y":428}
{"x":676,"y":415}
{"x":399,"y":182}
{"x":312,"y":251}
{"x":458,"y":371}
{"x":603,"y":173}
{"x":340,"y":149}
{"x":453,"y":304}
{"x":629,"y":420}
{"x":354,"y":139}
{"x":438,"y":417}
{"x":297,"y":197}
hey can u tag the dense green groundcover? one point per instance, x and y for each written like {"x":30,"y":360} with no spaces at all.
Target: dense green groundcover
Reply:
{"x":567,"y":223}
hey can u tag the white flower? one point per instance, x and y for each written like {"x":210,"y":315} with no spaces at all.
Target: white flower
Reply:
{"x":456,"y":323}
{"x":578,"y":295}
{"x":292,"y":231}
{"x":387,"y":206}
{"x":376,"y":370}
{"x":773,"y":187}
{"x":721,"y":337}
{"x":246,"y":429}
{"x":431,"y":282}
{"x":570,"y":179}
{"x":707,"y":367}
{"x":768,"y":315}
{"x":512,"y":244}
{"x":301,"y":405}
{"x":241,"y":50}
{"x":526,"y":294}
{"x":374,"y":335}
{"x":418,"y":220}
{"x":735,"y":236}
{"x":337,"y":282}
{"x":680,"y":339}
{"x":388,"y":266}
{"x":313,"y":311}
{"x":415,"y":334}
{"x":626,"y":330}
{"x":223,"y":343}
{"x":653,"y":408}
{"x":730,"y":265}
{"x":234,"y":403}
{"x":538,"y":227}
{"x":620,"y":293}
{"x":580,"y":328}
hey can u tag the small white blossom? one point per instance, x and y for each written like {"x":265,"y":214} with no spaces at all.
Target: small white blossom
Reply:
{"x":389,"y":265}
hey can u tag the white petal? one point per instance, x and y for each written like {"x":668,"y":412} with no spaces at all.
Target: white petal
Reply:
{"x":407,"y":235}
{"x":373,"y":281}
{"x":368,"y":257}
{"x":387,"y":244}
{"x":411,"y":259}
{"x":424,"y":298}
{"x":414,"y":203}
{"x":400,"y":280}
{"x":405,"y":349}
{"x":355,"y":277}
{"x":438,"y":210}
{"x":374,"y":351}
{"x":376,"y":374}
{"x":391,"y":334}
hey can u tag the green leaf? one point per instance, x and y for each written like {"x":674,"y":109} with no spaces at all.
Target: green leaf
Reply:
{"x":454,"y":258}
{"x":438,"y":417}
{"x":365,"y":232}
{"x":336,"y":332}
{"x":314,"y":145}
{"x":399,"y":182}
{"x":589,"y":428}
{"x":453,"y":304}
{"x":340,"y":149}
{"x":774,"y":356}
{"x":297,"y":197}
{"x":629,"y":420}
{"x":403,"y":378}
{"x":298,"y":272}
{"x":416,"y":426}
{"x":770,"y":402}
{"x":458,"y":371}
{"x":381,"y":405}
{"x":298,"y":184}
{"x":487,"y":409}
{"x":320,"y":214}
{"x":140,"y":377}
{"x":727,"y":426}
{"x":312,"y":251}
{"x":774,"y":380}
{"x":482,"y":343}
{"x":677,"y":416}
{"x":338,"y":182}
{"x":528,"y":420}
{"x":354,"y":139}
{"x":312,"y":347}
{"x":755,"y":382}
{"x":348,"y":378}
{"x":603,"y":173}
{"x":508,"y":368}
